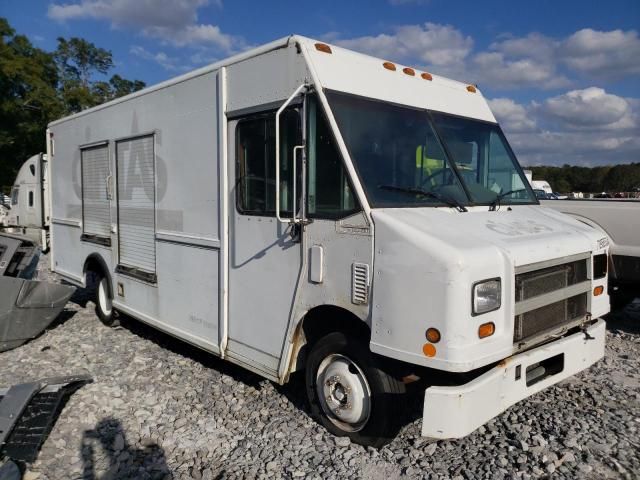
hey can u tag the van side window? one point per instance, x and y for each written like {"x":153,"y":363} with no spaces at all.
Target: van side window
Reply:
{"x":31,"y":198}
{"x":329,"y":192}
{"x":255,"y":164}
{"x":15,"y":194}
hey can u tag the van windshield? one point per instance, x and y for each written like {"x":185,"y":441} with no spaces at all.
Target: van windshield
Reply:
{"x":408,"y":157}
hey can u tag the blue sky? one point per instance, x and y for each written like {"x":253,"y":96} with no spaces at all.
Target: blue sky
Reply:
{"x":563,"y":77}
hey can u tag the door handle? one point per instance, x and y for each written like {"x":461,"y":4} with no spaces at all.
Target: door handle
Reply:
{"x":108,"y":185}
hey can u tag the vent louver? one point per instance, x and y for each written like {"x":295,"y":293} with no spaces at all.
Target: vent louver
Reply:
{"x":360,"y":283}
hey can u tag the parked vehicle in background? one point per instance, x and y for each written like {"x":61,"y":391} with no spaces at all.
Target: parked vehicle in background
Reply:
{"x":542,"y":185}
{"x":30,"y":211}
{"x":304,"y":207}
{"x":542,"y":195}
{"x":4,"y":215}
{"x":620,"y":220}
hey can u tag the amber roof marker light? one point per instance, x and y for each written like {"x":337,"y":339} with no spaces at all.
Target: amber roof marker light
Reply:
{"x":471,"y":88}
{"x":426,"y":76}
{"x":323,"y":47}
{"x":389,"y":66}
{"x":409,"y":71}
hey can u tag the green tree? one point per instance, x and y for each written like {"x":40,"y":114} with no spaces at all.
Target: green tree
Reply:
{"x":37,"y":87}
{"x":78,"y":59}
{"x":28,"y":100}
{"x":568,"y":178}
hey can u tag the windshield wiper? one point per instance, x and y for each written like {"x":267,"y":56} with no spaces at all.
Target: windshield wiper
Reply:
{"x":494,"y":204}
{"x":418,"y":191}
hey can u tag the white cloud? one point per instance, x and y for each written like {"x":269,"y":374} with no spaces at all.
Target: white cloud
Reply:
{"x":172,"y":21}
{"x":512,"y":116}
{"x":574,"y":148}
{"x":167,"y":13}
{"x":534,"y":45}
{"x":535,"y":60}
{"x":445,"y":50}
{"x":515,"y":62}
{"x":498,"y":71}
{"x":431,"y":44}
{"x":580,"y":127}
{"x":603,"y":54}
{"x":591,"y":107}
{"x":197,"y":35}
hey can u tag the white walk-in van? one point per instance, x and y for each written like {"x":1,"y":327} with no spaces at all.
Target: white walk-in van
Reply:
{"x":304,"y":207}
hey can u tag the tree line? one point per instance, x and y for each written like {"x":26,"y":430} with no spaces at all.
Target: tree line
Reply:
{"x":37,"y":87}
{"x":570,"y":178}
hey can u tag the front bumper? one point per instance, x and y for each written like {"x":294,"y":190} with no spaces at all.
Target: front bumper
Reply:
{"x":454,"y":412}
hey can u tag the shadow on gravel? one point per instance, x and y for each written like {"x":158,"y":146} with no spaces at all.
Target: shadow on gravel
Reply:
{"x":123,"y":461}
{"x":175,"y":345}
{"x":64,"y":316}
{"x":82,"y":295}
{"x":626,"y":319}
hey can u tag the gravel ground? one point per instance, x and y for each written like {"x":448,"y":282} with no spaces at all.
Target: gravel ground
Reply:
{"x":159,"y":408}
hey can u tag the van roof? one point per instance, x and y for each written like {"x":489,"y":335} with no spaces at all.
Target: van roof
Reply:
{"x":367,"y":76}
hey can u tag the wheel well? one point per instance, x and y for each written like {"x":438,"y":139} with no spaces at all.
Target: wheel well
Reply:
{"x":325,"y":319}
{"x":320,"y":321}
{"x":96,"y":264}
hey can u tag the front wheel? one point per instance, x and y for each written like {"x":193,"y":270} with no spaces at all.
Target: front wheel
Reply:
{"x":350,"y":394}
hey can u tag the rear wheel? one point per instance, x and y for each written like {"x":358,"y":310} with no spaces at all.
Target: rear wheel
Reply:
{"x":104,"y":302}
{"x":350,"y":394}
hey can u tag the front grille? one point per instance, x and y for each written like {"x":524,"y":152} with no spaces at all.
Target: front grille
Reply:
{"x":549,"y":298}
{"x":550,"y":279}
{"x":547,"y":318}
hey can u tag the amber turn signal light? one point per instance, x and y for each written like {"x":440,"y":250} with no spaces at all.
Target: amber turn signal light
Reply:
{"x":433,"y":335}
{"x":429,"y":350}
{"x":486,"y":330}
{"x":599,"y":290}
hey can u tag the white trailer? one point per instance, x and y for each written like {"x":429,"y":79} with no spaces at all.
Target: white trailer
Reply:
{"x":302,"y":206}
{"x":619,"y":219}
{"x":541,"y":185}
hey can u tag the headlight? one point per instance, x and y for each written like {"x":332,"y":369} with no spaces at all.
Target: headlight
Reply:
{"x":486,"y":296}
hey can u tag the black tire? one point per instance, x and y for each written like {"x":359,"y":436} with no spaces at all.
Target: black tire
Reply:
{"x":103,"y":297}
{"x":387,"y":393}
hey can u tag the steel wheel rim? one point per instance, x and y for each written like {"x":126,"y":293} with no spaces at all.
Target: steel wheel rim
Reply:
{"x":104,"y":302}
{"x":344,"y":393}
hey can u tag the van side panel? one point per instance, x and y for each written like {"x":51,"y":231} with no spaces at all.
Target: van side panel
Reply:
{"x":183,"y":120}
